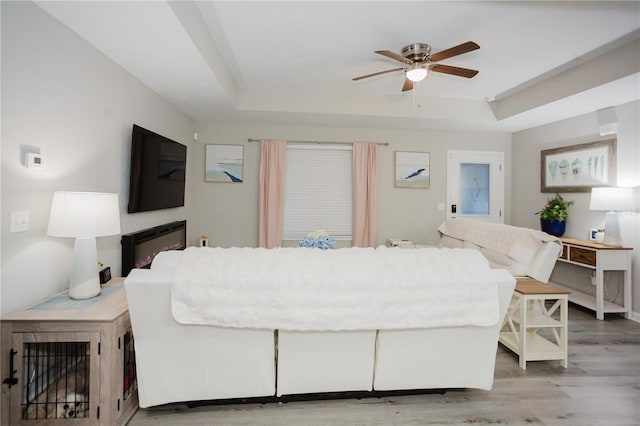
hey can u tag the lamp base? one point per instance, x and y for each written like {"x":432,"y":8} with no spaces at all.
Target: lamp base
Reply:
{"x":84,"y":283}
{"x":612,"y":234}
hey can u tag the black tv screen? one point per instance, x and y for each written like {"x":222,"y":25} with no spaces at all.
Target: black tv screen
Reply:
{"x":158,"y":167}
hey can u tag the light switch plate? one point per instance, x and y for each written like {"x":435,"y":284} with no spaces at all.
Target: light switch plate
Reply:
{"x":19,"y":221}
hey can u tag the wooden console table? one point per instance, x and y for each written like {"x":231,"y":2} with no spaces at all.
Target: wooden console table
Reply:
{"x":599,"y":258}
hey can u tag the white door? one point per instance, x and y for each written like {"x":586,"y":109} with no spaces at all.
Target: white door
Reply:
{"x":475,"y":185}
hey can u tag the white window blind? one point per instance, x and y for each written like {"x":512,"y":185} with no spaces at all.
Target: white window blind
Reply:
{"x":318,"y":191}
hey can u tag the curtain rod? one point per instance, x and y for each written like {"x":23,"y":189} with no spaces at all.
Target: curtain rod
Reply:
{"x":323,"y":142}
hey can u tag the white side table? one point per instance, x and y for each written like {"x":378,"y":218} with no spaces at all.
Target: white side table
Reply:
{"x":529,"y":314}
{"x":599,"y":258}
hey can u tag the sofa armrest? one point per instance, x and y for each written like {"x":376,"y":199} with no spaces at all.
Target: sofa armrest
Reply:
{"x":543,"y":262}
{"x":166,"y":259}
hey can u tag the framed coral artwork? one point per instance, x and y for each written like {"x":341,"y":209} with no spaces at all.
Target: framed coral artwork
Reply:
{"x":578,"y":168}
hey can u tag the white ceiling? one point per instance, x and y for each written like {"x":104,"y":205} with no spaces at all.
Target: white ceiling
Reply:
{"x":293,"y":62}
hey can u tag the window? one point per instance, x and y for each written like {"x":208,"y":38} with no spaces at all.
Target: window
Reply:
{"x":318,"y":191}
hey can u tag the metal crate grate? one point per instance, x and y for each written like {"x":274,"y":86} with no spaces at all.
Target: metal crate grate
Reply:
{"x":56,"y":377}
{"x":129,"y":382}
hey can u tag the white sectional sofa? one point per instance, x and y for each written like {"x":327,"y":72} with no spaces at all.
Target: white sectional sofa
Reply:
{"x":187,"y":362}
{"x":521,"y":251}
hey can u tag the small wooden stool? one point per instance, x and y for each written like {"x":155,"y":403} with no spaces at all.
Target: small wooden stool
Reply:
{"x":528,"y":314}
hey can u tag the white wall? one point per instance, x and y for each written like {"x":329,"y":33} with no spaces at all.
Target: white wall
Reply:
{"x":228,"y":213}
{"x":527,"y":198}
{"x":62,"y":97}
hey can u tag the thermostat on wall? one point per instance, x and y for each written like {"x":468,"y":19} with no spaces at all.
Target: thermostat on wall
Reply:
{"x":35,"y":161}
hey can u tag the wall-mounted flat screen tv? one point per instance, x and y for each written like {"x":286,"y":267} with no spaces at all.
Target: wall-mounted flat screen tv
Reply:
{"x":158,"y":167}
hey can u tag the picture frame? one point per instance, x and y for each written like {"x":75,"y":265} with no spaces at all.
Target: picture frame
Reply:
{"x":224,"y":163}
{"x":412,"y":170}
{"x":578,"y":168}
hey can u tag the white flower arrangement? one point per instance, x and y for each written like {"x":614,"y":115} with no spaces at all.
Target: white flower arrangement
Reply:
{"x":318,"y":239}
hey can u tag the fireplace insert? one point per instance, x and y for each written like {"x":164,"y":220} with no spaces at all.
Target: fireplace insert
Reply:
{"x":139,"y":248}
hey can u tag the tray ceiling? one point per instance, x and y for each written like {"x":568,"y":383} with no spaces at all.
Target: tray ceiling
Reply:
{"x":292,"y":62}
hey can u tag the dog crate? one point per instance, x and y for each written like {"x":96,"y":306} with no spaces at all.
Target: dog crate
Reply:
{"x":69,"y":363}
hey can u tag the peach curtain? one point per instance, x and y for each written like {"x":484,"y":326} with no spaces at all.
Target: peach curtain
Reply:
{"x":365,"y":177}
{"x":273,"y":157}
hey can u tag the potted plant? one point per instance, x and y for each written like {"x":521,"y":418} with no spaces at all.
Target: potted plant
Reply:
{"x":553,"y":216}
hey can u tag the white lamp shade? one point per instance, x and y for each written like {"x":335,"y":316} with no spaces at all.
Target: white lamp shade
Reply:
{"x":612,"y":199}
{"x":84,"y":214}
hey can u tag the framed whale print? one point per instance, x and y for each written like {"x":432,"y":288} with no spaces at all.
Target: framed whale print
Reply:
{"x":412,"y":170}
{"x":224,"y":163}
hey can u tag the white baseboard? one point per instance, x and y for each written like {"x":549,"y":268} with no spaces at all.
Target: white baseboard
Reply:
{"x":635,"y":316}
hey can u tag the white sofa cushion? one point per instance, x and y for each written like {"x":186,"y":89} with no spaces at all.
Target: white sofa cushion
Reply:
{"x":187,"y":363}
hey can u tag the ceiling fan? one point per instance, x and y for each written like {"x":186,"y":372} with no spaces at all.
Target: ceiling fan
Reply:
{"x":418,"y":61}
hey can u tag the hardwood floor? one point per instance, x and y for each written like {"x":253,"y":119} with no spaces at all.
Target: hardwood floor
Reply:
{"x":600,"y":387}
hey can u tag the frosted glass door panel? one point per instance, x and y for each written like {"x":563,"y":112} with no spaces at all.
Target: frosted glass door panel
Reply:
{"x":475,"y":185}
{"x":474,"y":189}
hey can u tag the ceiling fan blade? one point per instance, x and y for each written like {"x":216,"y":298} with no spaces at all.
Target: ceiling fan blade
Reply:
{"x":454,"y":51}
{"x":376,"y":73}
{"x":448,"y":69}
{"x":393,"y":55}
{"x":408,"y":85}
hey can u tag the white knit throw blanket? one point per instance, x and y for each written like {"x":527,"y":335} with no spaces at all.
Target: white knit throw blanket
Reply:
{"x":516,"y":242}
{"x":343,"y":289}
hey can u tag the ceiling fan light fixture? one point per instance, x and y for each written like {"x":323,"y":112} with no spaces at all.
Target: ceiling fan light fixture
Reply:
{"x":417,"y":61}
{"x":416,"y":73}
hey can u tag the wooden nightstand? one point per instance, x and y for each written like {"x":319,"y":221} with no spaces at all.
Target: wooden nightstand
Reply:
{"x":531,"y":329}
{"x":89,"y":340}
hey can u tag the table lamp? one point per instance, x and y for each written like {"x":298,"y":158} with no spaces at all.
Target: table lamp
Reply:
{"x":84,"y":216}
{"x":612,"y":199}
